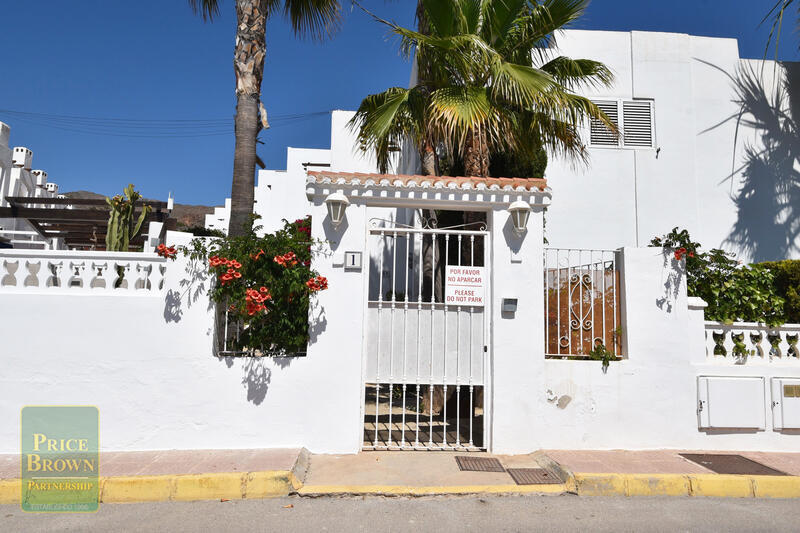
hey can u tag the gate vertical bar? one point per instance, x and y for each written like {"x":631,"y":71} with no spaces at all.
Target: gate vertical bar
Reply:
{"x":419,"y":328}
{"x":430,"y":372}
{"x":444,"y":370}
{"x":471,"y":385}
{"x":391,"y":346}
{"x":458,"y":361}
{"x":378,"y":346}
{"x":406,"y":296}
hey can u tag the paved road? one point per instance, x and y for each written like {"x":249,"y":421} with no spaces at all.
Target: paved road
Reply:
{"x":440,"y":514}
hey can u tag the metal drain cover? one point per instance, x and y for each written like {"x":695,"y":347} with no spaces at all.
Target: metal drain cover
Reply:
{"x":533,"y":476}
{"x":731,"y":464}
{"x":479,"y":464}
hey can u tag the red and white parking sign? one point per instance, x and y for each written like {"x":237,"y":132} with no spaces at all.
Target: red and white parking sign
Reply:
{"x":464,"y":285}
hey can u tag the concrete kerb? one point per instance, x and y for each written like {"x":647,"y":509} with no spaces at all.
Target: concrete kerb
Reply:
{"x":709,"y":485}
{"x":277,"y":483}
{"x":189,"y":487}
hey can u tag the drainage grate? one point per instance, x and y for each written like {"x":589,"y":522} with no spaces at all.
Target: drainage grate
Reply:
{"x":731,"y":464}
{"x":479,"y":464}
{"x":533,"y":476}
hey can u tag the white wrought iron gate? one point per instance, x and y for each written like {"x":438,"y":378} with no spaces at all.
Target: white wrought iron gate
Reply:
{"x":426,"y":365}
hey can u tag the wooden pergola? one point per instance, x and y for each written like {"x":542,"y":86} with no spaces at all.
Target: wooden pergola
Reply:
{"x":81,"y":223}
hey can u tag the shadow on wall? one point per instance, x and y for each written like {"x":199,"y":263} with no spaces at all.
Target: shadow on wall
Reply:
{"x":256,"y":373}
{"x":768,"y":201}
{"x":192,"y":287}
{"x":672,"y":284}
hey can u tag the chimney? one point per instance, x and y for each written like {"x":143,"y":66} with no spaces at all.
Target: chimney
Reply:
{"x":22,"y":157}
{"x":5,"y":134}
{"x":40,"y":176}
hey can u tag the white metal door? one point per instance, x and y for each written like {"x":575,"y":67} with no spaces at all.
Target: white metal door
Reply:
{"x":425,"y":356}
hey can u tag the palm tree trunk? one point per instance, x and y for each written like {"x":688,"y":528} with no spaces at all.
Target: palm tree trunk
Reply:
{"x":476,"y":154}
{"x":248,"y":64}
{"x":429,"y":160}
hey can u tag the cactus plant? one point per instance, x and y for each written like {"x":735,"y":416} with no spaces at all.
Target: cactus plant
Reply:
{"x":121,"y":226}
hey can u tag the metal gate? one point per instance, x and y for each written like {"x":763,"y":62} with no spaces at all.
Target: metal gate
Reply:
{"x":426,"y":365}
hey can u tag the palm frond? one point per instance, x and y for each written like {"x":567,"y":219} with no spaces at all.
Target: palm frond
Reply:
{"x":207,"y":8}
{"x":572,"y":73}
{"x":316,"y":19}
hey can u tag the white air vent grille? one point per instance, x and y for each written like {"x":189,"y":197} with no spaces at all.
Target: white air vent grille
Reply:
{"x":637,"y":119}
{"x":600,"y":134}
{"x":633,"y":118}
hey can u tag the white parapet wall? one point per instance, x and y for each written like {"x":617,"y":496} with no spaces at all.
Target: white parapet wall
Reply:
{"x":145,"y":357}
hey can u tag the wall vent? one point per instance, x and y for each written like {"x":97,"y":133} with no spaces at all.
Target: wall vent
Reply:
{"x":637,"y":119}
{"x":601,"y":135}
{"x":634,"y":120}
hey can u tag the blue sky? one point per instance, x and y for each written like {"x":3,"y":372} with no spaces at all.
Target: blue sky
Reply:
{"x":156,"y":60}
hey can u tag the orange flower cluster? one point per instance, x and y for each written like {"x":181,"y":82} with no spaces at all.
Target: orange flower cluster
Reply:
{"x":255,"y":300}
{"x":231,"y":273}
{"x":320,"y":283}
{"x":286,"y":260}
{"x":255,"y":257}
{"x":169,"y":253}
{"x":680,"y":252}
{"x":216,"y":261}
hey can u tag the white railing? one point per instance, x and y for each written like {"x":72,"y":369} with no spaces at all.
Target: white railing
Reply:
{"x":72,"y":272}
{"x":582,"y":302}
{"x":750,"y":342}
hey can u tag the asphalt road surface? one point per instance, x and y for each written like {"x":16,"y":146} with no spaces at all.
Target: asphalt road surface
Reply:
{"x":440,"y":514}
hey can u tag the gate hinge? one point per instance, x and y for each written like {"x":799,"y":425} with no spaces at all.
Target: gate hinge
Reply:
{"x":485,"y":348}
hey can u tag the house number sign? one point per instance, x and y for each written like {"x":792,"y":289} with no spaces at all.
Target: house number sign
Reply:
{"x":464,"y":285}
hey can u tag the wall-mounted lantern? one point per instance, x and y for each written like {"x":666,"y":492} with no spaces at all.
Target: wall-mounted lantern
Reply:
{"x":520,"y":211}
{"x":337,"y":203}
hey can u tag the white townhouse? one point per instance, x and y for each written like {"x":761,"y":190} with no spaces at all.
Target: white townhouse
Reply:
{"x":706,"y":144}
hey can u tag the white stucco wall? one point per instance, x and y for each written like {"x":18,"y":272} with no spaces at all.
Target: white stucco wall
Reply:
{"x":281,"y":194}
{"x":693,"y":176}
{"x":145,"y":359}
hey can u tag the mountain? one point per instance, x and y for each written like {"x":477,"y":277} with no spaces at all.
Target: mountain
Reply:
{"x":186,"y":215}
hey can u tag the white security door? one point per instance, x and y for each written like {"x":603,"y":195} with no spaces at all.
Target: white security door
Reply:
{"x":426,"y":363}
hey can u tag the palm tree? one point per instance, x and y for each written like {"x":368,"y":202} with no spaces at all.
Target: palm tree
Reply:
{"x":316,"y":18}
{"x":491,"y":84}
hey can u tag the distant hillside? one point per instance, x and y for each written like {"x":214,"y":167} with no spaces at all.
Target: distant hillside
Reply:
{"x":186,"y":215}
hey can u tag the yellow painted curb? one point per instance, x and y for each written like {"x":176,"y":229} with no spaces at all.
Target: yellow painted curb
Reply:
{"x":9,"y":490}
{"x":776,"y":486}
{"x":271,"y":484}
{"x":656,"y":485}
{"x":405,"y":490}
{"x":209,"y":486}
{"x":600,"y":484}
{"x":129,"y":489}
{"x":188,"y":487}
{"x":721,"y":485}
{"x":712,"y":485}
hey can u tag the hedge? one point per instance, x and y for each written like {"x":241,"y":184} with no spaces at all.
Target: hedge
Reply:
{"x":787,"y":284}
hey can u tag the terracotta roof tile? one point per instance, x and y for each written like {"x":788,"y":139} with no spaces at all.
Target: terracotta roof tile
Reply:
{"x":460,"y":182}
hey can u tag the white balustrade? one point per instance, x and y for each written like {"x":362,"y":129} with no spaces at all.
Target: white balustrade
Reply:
{"x":750,"y":342}
{"x":87,"y":272}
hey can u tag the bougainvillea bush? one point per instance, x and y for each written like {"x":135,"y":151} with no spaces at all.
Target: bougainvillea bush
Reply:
{"x":266,"y":283}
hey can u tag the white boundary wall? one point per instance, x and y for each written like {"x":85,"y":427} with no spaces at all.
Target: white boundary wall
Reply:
{"x":146,"y":360}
